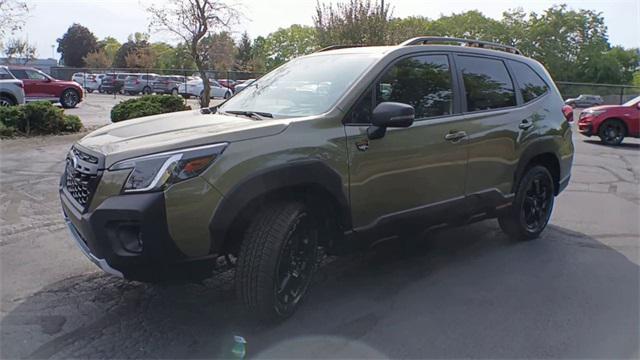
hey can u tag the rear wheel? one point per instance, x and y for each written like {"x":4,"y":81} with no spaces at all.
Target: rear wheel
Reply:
{"x":612,"y":132}
{"x":174,"y":92}
{"x":227,"y":95}
{"x":6,"y":101}
{"x":146,"y":90}
{"x":69,"y":99}
{"x":89,"y":91}
{"x":277,"y":260}
{"x":531,"y":209}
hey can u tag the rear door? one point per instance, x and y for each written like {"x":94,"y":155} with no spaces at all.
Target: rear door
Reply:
{"x":496,"y":126}
{"x":412,"y":170}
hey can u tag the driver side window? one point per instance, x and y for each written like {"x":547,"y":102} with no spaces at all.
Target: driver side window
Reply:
{"x":34,"y":75}
{"x":423,"y":82}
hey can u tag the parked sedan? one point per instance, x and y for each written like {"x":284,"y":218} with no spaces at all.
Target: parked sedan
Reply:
{"x":244,"y":85}
{"x":196,"y":88}
{"x":612,"y":123}
{"x":11,"y":89}
{"x":92,"y":82}
{"x":39,"y":86}
{"x":585,"y":101}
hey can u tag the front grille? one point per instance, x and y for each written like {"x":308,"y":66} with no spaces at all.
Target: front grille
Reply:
{"x":81,"y":176}
{"x":80,"y":186}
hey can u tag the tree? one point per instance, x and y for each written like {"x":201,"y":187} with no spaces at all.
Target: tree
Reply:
{"x":244,"y":55}
{"x":142,"y":58}
{"x":97,"y":60}
{"x":190,"y":21}
{"x":19,"y":50}
{"x":286,"y":44}
{"x":13,"y":14}
{"x":75,"y":44}
{"x":135,"y":43}
{"x":221,"y":51}
{"x":109,"y":46}
{"x":354,"y":22}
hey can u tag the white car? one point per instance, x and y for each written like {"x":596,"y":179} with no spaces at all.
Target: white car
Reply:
{"x":244,"y":85}
{"x":93,"y":82}
{"x":196,"y":87}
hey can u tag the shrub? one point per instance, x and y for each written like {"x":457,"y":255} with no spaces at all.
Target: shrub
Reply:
{"x":146,"y":106}
{"x":37,"y":118}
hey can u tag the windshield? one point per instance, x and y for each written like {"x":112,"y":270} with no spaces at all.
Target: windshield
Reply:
{"x":302,"y":87}
{"x":632,"y":101}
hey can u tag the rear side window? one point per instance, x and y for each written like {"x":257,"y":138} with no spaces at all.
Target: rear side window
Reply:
{"x":530,"y":83}
{"x":4,"y":74}
{"x":423,"y":82}
{"x":487,"y":83}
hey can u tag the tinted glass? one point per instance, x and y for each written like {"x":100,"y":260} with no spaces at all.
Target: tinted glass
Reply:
{"x":487,"y":83}
{"x":20,"y":74}
{"x":531,"y":84}
{"x":423,"y":82}
{"x":36,"y":75}
{"x":4,"y":74}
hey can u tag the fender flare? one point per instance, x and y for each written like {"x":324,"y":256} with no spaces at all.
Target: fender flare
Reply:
{"x":304,"y":173}
{"x":540,"y":146}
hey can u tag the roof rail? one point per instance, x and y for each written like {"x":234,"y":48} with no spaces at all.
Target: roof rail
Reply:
{"x":425,"y":40}
{"x":336,"y":47}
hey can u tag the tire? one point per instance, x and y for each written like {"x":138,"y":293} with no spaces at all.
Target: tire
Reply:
{"x":174,"y":92}
{"x":69,"y":99}
{"x":146,"y":90}
{"x":277,"y":261}
{"x":612,"y":132}
{"x":89,"y":91}
{"x":531,"y":209}
{"x":100,"y":89}
{"x":227,"y":95}
{"x":6,"y":101}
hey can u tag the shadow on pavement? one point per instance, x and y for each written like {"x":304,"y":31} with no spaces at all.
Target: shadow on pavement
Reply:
{"x":623,"y":145}
{"x":464,"y":292}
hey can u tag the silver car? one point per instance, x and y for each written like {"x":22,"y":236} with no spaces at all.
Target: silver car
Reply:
{"x":11,"y":89}
{"x":135,"y":84}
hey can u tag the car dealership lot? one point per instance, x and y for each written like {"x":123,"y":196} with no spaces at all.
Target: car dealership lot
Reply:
{"x":465,"y":292}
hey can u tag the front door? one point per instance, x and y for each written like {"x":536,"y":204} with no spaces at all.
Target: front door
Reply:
{"x":413,"y":169}
{"x":36,"y":84}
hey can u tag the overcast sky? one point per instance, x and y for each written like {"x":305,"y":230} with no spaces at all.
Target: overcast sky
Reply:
{"x":49,"y":19}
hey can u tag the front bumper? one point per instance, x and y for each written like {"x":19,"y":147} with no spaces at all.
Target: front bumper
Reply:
{"x":128,"y":236}
{"x":585,"y":128}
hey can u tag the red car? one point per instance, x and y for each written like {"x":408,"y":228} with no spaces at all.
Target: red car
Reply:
{"x":39,"y":86}
{"x":612,"y":123}
{"x":228,"y":83}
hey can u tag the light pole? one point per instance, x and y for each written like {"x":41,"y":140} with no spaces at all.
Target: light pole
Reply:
{"x":52,"y":53}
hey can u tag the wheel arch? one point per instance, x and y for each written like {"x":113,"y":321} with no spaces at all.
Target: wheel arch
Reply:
{"x":9,"y":95}
{"x":312,"y":182}
{"x":540,"y":153}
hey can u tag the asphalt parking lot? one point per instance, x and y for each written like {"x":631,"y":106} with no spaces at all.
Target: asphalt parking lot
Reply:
{"x":454,"y":293}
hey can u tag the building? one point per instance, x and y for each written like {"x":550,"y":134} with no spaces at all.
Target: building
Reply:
{"x":42,"y":64}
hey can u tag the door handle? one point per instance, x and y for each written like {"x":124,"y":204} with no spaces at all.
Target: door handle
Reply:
{"x":525,"y":124}
{"x":455,"y":136}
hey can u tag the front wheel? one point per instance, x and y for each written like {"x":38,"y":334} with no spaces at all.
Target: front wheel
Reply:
{"x":277,"y":260}
{"x":612,"y":132}
{"x":531,"y":209}
{"x":146,"y":90}
{"x":6,"y":101}
{"x":175,"y":92}
{"x":69,"y":99}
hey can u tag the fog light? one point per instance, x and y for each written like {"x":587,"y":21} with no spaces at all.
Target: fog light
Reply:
{"x":130,"y":237}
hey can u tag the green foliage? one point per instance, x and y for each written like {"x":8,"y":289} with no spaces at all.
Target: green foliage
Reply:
{"x":75,"y":44}
{"x":109,"y":46}
{"x":354,"y":22}
{"x":147,"y":106}
{"x":244,"y":52}
{"x":636,"y":79}
{"x":285,"y":44}
{"x":37,"y":118}
{"x":135,"y":44}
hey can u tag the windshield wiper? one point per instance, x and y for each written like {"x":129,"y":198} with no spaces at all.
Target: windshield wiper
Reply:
{"x":252,"y":114}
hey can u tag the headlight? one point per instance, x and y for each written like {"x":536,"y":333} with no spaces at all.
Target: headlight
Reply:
{"x":157,"y":171}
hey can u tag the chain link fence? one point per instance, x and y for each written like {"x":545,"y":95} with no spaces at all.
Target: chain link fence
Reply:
{"x":610,"y":93}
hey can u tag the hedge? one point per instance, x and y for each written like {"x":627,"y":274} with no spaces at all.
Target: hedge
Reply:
{"x":146,"y":106}
{"x":36,"y":118}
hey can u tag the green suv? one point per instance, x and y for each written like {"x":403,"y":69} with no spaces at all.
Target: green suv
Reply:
{"x":327,"y":153}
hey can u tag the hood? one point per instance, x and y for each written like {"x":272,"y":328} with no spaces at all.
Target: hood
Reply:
{"x":153,"y":134}
{"x":604,"y":107}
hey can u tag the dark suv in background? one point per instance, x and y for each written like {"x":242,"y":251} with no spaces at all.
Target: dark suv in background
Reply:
{"x":114,"y":82}
{"x":331,"y":151}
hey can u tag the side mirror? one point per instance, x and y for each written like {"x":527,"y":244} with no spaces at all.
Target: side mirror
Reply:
{"x":390,"y":114}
